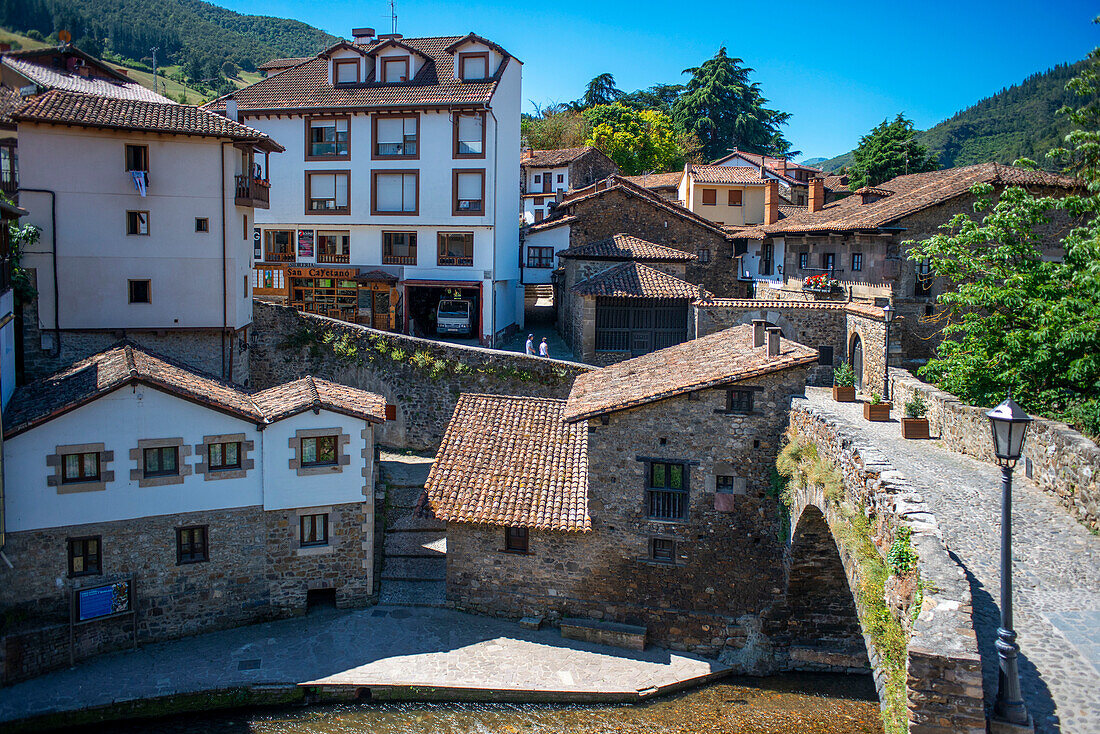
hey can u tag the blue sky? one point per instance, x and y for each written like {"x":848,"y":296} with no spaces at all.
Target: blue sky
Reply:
{"x":839,"y":68}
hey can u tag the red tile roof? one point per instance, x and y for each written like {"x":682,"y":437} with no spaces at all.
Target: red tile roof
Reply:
{"x":838,"y":184}
{"x":283,"y":63}
{"x":57,"y":107}
{"x":626,"y":247}
{"x":551,"y":223}
{"x":620,"y":183}
{"x":657,"y":180}
{"x":716,"y":359}
{"x":553,"y":158}
{"x":126,"y":363}
{"x":50,"y":78}
{"x":512,"y":462}
{"x":634,"y":280}
{"x":704,"y":174}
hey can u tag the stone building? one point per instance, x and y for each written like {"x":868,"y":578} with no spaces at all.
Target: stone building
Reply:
{"x":186,"y":502}
{"x":547,"y":175}
{"x":643,"y":498}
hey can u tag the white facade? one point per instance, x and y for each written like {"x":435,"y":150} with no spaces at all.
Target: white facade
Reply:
{"x":7,"y":346}
{"x":543,"y":186}
{"x":536,"y":246}
{"x":761,"y":265}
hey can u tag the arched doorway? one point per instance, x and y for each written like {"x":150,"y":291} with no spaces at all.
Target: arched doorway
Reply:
{"x":855,"y":350}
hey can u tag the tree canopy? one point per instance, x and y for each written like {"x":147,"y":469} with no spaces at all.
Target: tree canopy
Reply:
{"x":600,"y":91}
{"x":887,"y":151}
{"x":638,"y":140}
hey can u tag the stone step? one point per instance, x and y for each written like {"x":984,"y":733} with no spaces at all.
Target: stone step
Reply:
{"x":429,"y":544}
{"x":413,"y":593}
{"x":405,"y":474}
{"x":408,"y":521}
{"x":415,"y":569}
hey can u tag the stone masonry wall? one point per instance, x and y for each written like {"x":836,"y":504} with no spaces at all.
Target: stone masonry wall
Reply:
{"x":287,"y":345}
{"x":1063,"y":462}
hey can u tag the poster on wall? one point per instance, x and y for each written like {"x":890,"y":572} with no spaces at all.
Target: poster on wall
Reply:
{"x":305,"y":243}
{"x":257,"y":250}
{"x":105,"y":600}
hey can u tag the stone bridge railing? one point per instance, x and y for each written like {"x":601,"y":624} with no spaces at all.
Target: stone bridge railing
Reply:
{"x":943,"y":667}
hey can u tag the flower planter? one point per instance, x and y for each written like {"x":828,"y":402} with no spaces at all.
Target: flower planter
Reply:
{"x":844,"y":394}
{"x":914,"y":428}
{"x":879,"y":412}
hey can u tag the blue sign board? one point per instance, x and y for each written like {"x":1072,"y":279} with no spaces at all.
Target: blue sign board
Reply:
{"x":103,"y":601}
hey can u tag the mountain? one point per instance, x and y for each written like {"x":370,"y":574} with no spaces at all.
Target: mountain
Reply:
{"x":182,"y":29}
{"x":812,"y":161}
{"x":1018,"y":122}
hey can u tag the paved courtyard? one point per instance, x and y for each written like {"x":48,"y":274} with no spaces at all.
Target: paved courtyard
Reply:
{"x":1056,"y":569}
{"x":376,"y":646}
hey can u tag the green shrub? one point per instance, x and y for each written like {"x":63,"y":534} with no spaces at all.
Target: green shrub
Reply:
{"x":916,"y":407}
{"x":902,"y":558}
{"x":876,"y":399}
{"x":844,"y":375}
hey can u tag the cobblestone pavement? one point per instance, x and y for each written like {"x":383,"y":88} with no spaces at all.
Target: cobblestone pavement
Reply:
{"x":1056,"y":569}
{"x":414,"y":565}
{"x":377,"y":646}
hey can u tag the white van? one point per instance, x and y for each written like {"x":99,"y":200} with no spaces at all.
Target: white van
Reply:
{"x":453,"y":317}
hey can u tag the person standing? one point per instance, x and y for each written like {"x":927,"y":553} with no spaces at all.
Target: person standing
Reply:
{"x":544,"y":348}
{"x":531,"y":344}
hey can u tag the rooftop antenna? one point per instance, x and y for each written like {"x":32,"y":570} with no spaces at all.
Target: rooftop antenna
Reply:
{"x":393,"y":16}
{"x":154,"y":50}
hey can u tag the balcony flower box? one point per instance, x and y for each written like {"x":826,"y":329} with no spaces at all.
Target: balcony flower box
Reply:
{"x":914,"y":428}
{"x":821,"y":284}
{"x":844,"y":394}
{"x":877,"y":411}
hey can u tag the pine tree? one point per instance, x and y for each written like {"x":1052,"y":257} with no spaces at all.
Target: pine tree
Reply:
{"x":887,"y":151}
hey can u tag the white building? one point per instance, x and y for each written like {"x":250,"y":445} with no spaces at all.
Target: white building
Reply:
{"x":402,"y":165}
{"x":146,"y":212}
{"x":547,"y":175}
{"x":7,"y":310}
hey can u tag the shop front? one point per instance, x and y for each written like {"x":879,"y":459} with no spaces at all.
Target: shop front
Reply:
{"x":369,"y":298}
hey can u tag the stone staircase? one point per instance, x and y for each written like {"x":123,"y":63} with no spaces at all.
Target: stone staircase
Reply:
{"x":414,"y":563}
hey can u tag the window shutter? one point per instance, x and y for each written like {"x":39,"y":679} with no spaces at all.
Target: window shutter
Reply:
{"x":341,"y":186}
{"x":469,"y":128}
{"x":469,"y":186}
{"x":388,"y":192}
{"x":322,"y":186}
{"x":389,"y":129}
{"x":409,"y":191}
{"x":410,"y":125}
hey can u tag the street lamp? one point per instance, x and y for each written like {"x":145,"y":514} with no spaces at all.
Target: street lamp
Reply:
{"x":888,"y":315}
{"x":1009,"y":425}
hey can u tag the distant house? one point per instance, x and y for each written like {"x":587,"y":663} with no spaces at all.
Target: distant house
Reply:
{"x":643,"y":498}
{"x":665,"y":185}
{"x":794,"y":178}
{"x":275,"y":66}
{"x":731,"y":196}
{"x":836,"y":187}
{"x":546,"y":175}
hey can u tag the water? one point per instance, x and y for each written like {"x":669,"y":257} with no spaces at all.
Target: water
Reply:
{"x":789,"y":704}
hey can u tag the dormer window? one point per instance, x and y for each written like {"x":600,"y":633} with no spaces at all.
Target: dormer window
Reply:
{"x":395,"y":69}
{"x":345,"y":71}
{"x":473,"y":66}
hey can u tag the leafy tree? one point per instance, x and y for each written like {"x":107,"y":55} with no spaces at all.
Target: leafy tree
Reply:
{"x":600,"y":91}
{"x":659,"y":97}
{"x":637,"y":140}
{"x":724,"y":109}
{"x":887,"y":151}
{"x":555,"y":128}
{"x":193,"y":69}
{"x":230,"y":69}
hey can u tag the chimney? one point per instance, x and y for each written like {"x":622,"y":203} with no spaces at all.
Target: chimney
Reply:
{"x":231,"y":110}
{"x":783,"y":165}
{"x":817,"y":194}
{"x":526,"y":153}
{"x":773,"y":341}
{"x":758,"y":326}
{"x":362,"y":35}
{"x":771,"y":202}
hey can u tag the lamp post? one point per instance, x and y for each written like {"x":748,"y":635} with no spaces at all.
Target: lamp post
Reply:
{"x":1009,"y":425}
{"x":888,"y":315}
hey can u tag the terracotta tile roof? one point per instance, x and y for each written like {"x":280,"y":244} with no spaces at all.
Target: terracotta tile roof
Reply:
{"x":716,"y":359}
{"x":657,"y":180}
{"x":10,"y":101}
{"x":552,"y":223}
{"x":283,"y":63}
{"x":513,"y":462}
{"x":620,"y":183}
{"x":788,"y":210}
{"x":127,"y":363}
{"x":863,"y":309}
{"x":68,"y":108}
{"x":910,"y":194}
{"x":634,"y":280}
{"x":552,"y":158}
{"x":626,"y":247}
{"x":49,"y":78}
{"x":705,"y":174}
{"x":838,"y":184}
{"x":746,"y":233}
{"x":306,"y":86}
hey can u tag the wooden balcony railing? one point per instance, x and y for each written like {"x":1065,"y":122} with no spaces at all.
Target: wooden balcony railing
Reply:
{"x":252,"y":192}
{"x":9,"y":183}
{"x":399,"y":259}
{"x":456,"y":260}
{"x":278,"y":257}
{"x":333,"y":257}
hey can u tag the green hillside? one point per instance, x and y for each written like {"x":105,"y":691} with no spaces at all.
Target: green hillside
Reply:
{"x":1018,"y":122}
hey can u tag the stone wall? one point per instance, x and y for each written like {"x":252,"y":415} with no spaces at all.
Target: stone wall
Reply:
{"x":944,"y":676}
{"x":1063,"y":462}
{"x":423,"y":381}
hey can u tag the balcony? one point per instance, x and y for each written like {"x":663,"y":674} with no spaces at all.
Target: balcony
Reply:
{"x":278,"y":257}
{"x":399,"y":259}
{"x":333,"y":257}
{"x":252,"y":192}
{"x":465,"y":260}
{"x":9,"y":183}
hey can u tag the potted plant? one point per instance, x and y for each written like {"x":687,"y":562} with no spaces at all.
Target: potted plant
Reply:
{"x":844,"y":384}
{"x":915,"y":424}
{"x":877,"y":410}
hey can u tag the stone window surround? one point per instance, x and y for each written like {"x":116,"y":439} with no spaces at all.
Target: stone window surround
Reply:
{"x":648,"y":462}
{"x":342,"y":457}
{"x":313,"y":550}
{"x":203,"y":464}
{"x":183,"y":469}
{"x":54,"y":461}
{"x":749,"y":388}
{"x":677,"y":552}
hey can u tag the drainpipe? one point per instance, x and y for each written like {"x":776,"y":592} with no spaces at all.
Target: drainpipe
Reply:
{"x":53,"y":253}
{"x":225,"y":278}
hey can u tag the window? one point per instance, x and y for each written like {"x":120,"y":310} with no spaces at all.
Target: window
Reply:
{"x":469,"y":192}
{"x":735,"y":197}
{"x":279,"y":245}
{"x":191,"y":545}
{"x":561,"y":178}
{"x":328,"y":138}
{"x":828,"y":261}
{"x":84,"y":556}
{"x":138,"y":223}
{"x":739,"y":401}
{"x":473,"y":66}
{"x":395,"y":70}
{"x":82,"y":467}
{"x":244,"y":230}
{"x":923,"y":286}
{"x":703,"y":254}
{"x":540,"y":257}
{"x":327,"y":192}
{"x":710,"y":197}
{"x":724,"y":483}
{"x":244,"y":286}
{"x":515,"y":540}
{"x":538,"y":215}
{"x":803,"y":260}
{"x":662,"y":550}
{"x":857,"y":261}
{"x":333,"y":247}
{"x":399,"y":248}
{"x":222,"y":456}
{"x":456,"y":248}
{"x":766,"y":258}
{"x":314,"y":530}
{"x":469,"y":132}
{"x":396,"y":137}
{"x":824,"y":354}
{"x":666,"y":491}
{"x":345,"y":71}
{"x":139,"y":291}
{"x":202,"y":224}
{"x":395,"y":192}
{"x":162,"y":461}
{"x":538,"y":180}
{"x":319,"y":451}
{"x":137,"y":158}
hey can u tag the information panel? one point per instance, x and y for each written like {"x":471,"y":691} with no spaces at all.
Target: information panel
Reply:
{"x":107,"y":600}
